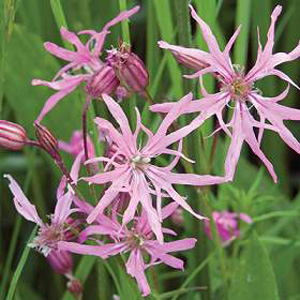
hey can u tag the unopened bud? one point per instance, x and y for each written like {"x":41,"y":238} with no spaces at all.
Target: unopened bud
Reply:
{"x":177,"y":217}
{"x":61,"y":261}
{"x":12,"y":136}
{"x":129,"y":68}
{"x":122,"y":93}
{"x":46,"y":140}
{"x":189,"y":61}
{"x":103,"y":81}
{"x":75,"y":287}
{"x":111,"y":151}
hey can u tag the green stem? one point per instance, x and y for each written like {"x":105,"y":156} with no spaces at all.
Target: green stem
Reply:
{"x":129,"y":106}
{"x":124,"y":24}
{"x":60,"y":19}
{"x":193,"y":275}
{"x":216,"y":241}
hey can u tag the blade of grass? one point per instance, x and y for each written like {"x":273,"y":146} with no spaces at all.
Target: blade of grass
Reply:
{"x":20,"y":267}
{"x":129,"y":105}
{"x":166,"y":28}
{"x":243,"y":15}
{"x":152,"y":51}
{"x":60,"y":19}
{"x":7,"y":16}
{"x":16,"y":230}
{"x":193,"y":275}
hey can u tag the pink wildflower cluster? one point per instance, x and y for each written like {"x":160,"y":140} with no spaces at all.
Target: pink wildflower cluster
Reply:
{"x":138,"y":189}
{"x":227,"y":224}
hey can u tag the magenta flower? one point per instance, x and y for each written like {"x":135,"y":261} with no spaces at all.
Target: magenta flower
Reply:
{"x":138,"y":240}
{"x":238,"y":87}
{"x":227,"y":225}
{"x":75,"y":145}
{"x":131,"y":169}
{"x":98,"y":76}
{"x":59,"y":228}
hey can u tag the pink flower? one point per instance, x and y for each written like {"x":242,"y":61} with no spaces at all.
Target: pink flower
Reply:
{"x":238,"y":87}
{"x":75,"y":146}
{"x":227,"y":225}
{"x":98,"y":76}
{"x":138,"y":240}
{"x":132,"y":169}
{"x":49,"y":234}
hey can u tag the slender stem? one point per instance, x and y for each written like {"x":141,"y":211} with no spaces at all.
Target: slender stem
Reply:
{"x":21,"y":264}
{"x":216,"y":241}
{"x":213,"y":152}
{"x":192,"y":276}
{"x":84,"y":129}
{"x":85,"y":142}
{"x":124,"y":24}
{"x":148,"y":97}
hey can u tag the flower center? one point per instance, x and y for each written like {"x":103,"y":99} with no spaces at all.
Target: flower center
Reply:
{"x":139,"y":161}
{"x":47,"y":238}
{"x":134,"y":240}
{"x":238,"y":88}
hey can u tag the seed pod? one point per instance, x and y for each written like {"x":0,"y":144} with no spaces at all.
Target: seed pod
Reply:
{"x":129,"y":68}
{"x":103,"y":81}
{"x":12,"y":136}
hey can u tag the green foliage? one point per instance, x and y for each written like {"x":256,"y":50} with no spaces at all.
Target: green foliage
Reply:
{"x":253,"y":276}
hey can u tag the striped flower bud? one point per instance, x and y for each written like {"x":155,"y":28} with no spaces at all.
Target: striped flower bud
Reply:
{"x":46,"y":140}
{"x":60,"y":261}
{"x":12,"y":136}
{"x":129,"y":68}
{"x":103,"y":81}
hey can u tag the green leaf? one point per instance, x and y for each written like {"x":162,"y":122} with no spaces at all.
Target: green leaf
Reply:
{"x":254,"y":277}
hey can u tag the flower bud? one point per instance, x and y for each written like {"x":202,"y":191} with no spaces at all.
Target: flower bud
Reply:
{"x":189,"y":61}
{"x":74,"y":287}
{"x":129,"y":68}
{"x":177,"y":217}
{"x":111,"y":150}
{"x":103,"y":81}
{"x":61,"y":261}
{"x":122,"y":93}
{"x":46,"y":140}
{"x":12,"y":136}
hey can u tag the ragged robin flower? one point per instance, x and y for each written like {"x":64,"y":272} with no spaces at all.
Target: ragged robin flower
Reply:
{"x":85,"y":65}
{"x":137,"y":240}
{"x":237,"y":90}
{"x":132,"y":167}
